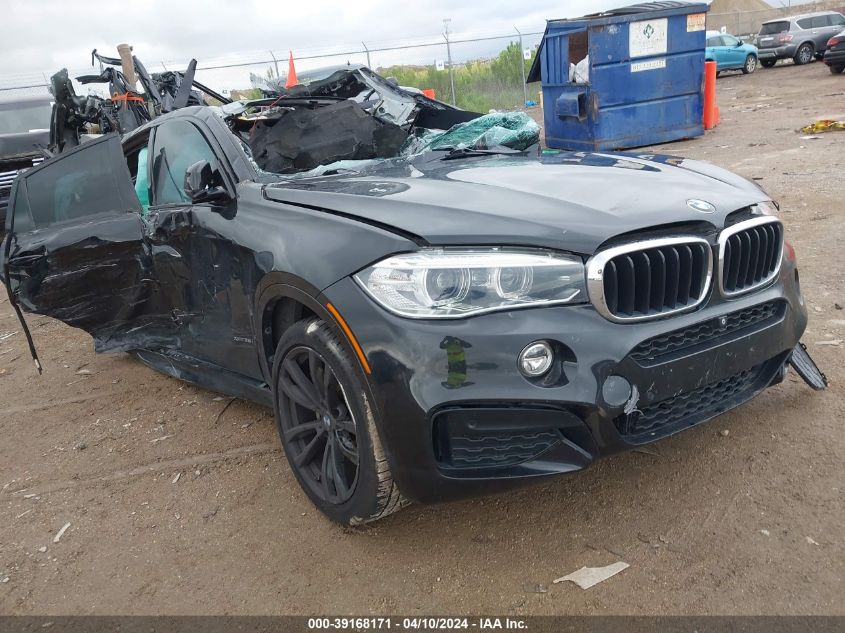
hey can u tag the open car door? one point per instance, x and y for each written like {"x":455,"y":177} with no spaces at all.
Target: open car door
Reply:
{"x":74,"y":248}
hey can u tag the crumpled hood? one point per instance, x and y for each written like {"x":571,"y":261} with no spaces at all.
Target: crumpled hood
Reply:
{"x":572,"y":201}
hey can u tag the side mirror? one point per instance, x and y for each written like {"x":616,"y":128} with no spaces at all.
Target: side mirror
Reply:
{"x":204,"y":184}
{"x":738,"y":43}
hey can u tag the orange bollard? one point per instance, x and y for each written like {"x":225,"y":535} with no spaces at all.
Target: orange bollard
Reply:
{"x":711,"y":110}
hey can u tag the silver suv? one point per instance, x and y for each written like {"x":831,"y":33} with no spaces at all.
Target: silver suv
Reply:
{"x":800,"y":37}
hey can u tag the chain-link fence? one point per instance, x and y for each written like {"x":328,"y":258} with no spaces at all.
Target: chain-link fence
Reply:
{"x":477,"y":71}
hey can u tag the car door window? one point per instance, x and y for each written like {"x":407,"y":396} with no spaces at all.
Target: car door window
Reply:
{"x":19,"y":207}
{"x":80,"y":184}
{"x":820,"y":22}
{"x":805,"y":23}
{"x":837,"y":20}
{"x":177,"y":145}
{"x":714,"y":41}
{"x":729,"y":40}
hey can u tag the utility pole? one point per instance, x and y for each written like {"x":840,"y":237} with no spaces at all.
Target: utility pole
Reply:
{"x":446,"y":22}
{"x":522,"y":68}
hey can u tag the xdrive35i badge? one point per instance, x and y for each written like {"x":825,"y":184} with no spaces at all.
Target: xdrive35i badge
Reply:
{"x":702,"y":206}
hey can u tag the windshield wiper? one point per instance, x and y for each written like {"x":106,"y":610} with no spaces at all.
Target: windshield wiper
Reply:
{"x":465,"y":152}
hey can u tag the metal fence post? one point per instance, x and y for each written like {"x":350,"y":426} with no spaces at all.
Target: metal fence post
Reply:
{"x":276,"y":64}
{"x":449,"y":59}
{"x":522,"y":68}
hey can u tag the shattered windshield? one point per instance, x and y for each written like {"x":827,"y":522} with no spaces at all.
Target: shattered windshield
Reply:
{"x":17,"y":118}
{"x":304,"y":137}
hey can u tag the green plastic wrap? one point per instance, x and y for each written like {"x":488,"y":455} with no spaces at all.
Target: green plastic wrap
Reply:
{"x":513,"y":130}
{"x":142,"y":185}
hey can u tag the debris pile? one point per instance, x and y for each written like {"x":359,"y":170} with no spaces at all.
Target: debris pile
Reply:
{"x":345,"y":115}
{"x":75,"y":116}
{"x":823,"y":125}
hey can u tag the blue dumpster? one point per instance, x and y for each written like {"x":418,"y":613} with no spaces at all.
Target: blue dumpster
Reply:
{"x":639,"y":81}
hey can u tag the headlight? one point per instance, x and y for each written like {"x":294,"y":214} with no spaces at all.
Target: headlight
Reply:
{"x":765,"y":208}
{"x":435,"y":283}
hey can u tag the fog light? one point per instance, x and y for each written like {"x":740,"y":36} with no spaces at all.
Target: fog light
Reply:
{"x":536,"y":359}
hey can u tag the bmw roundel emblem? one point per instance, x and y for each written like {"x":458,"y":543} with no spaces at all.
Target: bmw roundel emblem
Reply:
{"x":702,"y":206}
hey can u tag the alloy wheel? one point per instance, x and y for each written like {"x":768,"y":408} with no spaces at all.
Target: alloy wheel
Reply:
{"x":750,"y":64}
{"x":318,"y":427}
{"x":805,"y":55}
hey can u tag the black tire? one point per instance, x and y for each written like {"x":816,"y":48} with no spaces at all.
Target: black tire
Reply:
{"x":750,"y":65}
{"x":836,"y":70}
{"x":341,"y":429}
{"x":804,"y":54}
{"x":768,"y":63}
{"x":718,"y":73}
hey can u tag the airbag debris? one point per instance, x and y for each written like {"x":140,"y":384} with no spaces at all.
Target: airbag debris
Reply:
{"x":305,"y":138}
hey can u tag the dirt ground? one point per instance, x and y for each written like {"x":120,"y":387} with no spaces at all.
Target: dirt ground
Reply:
{"x":181,"y":502}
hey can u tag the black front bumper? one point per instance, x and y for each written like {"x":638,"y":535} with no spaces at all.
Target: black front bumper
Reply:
{"x":835,"y":56}
{"x":457,"y":418}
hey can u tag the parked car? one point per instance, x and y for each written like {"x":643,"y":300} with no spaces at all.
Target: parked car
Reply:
{"x":799,"y":38}
{"x":730,"y":53}
{"x":24,"y":134}
{"x":425,"y":328}
{"x":834,"y":56}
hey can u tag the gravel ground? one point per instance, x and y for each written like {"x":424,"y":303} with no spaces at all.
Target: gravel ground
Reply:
{"x":179,"y":501}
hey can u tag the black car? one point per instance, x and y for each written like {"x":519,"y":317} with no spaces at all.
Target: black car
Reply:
{"x":834,"y":56}
{"x":24,"y":134}
{"x":424,"y":328}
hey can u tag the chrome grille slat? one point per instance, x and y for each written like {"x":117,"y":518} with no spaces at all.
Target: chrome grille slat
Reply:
{"x":7,"y":177}
{"x":749,"y":255}
{"x":650,"y":279}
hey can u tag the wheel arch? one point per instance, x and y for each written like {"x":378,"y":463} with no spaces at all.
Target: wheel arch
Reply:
{"x":282,"y":299}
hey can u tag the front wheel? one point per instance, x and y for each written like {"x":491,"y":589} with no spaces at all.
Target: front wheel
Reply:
{"x":836,"y":70}
{"x":750,"y":65}
{"x":327,"y":426}
{"x":804,"y":54}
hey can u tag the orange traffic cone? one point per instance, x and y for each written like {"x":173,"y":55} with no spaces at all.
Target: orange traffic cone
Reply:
{"x":292,"y":80}
{"x":711,"y":110}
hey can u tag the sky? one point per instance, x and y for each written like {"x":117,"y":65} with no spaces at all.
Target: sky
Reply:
{"x":42,"y":36}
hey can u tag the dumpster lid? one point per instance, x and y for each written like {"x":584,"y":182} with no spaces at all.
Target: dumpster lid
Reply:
{"x":643,"y":7}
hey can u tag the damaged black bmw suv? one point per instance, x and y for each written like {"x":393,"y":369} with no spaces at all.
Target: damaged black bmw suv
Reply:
{"x":426,"y":327}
